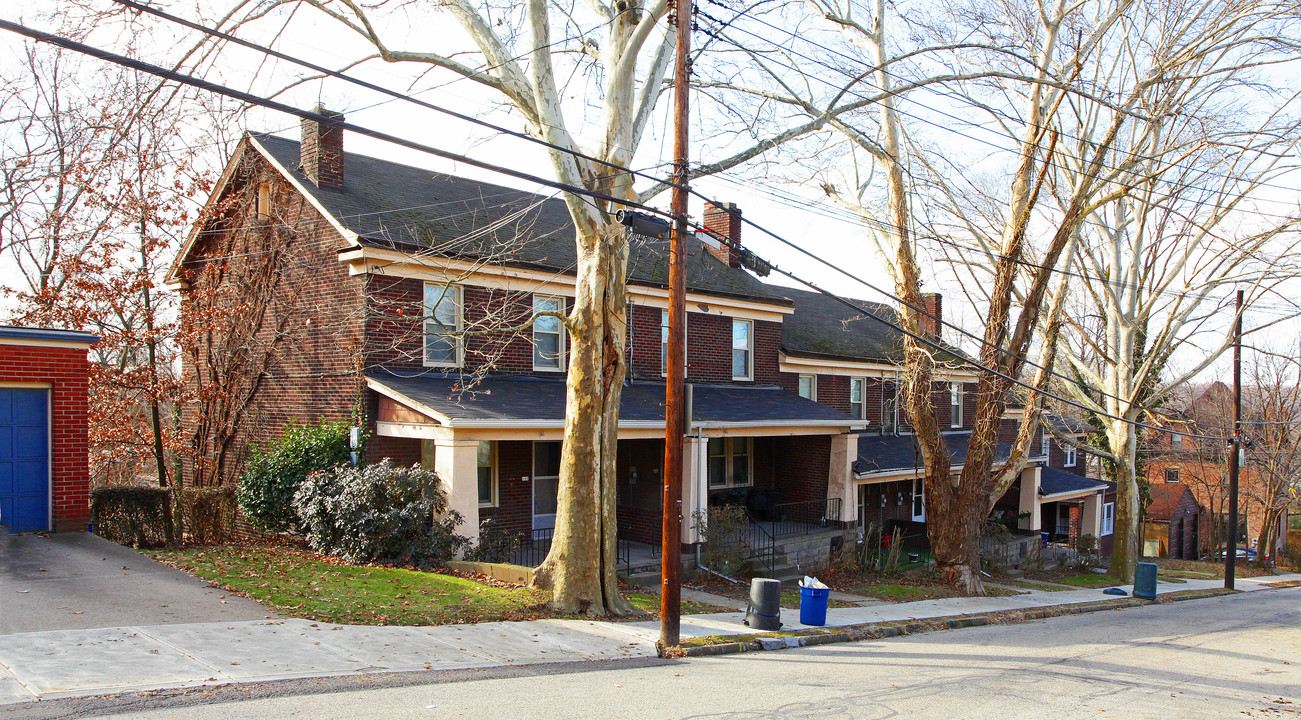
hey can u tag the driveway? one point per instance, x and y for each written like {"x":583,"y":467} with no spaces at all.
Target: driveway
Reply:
{"x":74,"y":581}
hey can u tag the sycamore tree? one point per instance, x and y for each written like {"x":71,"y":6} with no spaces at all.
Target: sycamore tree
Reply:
{"x":585,"y":78}
{"x":997,"y":138}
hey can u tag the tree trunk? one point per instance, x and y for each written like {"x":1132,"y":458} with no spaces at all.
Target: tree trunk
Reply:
{"x":580,"y":568}
{"x":1128,"y":533}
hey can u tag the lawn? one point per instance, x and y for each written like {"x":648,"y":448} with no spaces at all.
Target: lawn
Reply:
{"x":1089,"y":580}
{"x":298,"y":583}
{"x":1203,"y":569}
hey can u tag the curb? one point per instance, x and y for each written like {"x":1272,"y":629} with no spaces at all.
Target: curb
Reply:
{"x":877,"y":631}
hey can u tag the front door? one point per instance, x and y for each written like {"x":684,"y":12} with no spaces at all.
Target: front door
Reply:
{"x":546,"y":483}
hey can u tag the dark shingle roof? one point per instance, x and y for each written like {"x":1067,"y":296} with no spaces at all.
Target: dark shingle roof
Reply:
{"x":1054,"y":482}
{"x":529,"y":398}
{"x":824,"y":327}
{"x":398,"y":206}
{"x":891,"y":453}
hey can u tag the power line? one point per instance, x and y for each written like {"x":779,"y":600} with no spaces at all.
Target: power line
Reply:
{"x":882,"y":68}
{"x":263,"y":102}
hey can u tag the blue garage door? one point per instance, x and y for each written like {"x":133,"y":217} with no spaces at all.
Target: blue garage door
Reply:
{"x":24,"y":460}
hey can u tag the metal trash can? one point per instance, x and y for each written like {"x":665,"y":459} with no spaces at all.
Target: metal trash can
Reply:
{"x":1145,"y":581}
{"x":764,"y":610}
{"x":813,"y":605}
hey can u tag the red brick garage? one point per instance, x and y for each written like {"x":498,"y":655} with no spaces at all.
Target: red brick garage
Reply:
{"x":44,"y":479}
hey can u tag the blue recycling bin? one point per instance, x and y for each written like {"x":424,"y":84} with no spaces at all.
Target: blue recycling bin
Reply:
{"x":813,"y":605}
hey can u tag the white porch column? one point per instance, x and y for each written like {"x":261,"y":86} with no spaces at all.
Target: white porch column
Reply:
{"x":457,"y":465}
{"x":695,"y":482}
{"x":1029,"y":502}
{"x":840,"y":476}
{"x":1091,"y":518}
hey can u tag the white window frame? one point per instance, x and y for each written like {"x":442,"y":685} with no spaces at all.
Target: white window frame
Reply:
{"x":749,"y":349}
{"x":1045,"y":444}
{"x":955,"y":405}
{"x":1176,"y":442}
{"x":458,"y":341}
{"x":813,"y":387}
{"x":729,"y":453}
{"x":561,"y":340}
{"x":890,"y":413}
{"x":492,"y":470}
{"x":1108,"y":518}
{"x":861,"y":384}
{"x":1071,"y":456}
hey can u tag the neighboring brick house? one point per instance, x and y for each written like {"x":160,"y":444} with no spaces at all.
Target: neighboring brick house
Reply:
{"x":44,"y":476}
{"x":1201,"y":463}
{"x":373,"y":292}
{"x":1171,"y":526}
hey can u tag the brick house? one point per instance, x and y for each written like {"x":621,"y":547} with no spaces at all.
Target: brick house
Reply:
{"x":380,"y":294}
{"x":44,"y":476}
{"x":1201,"y":464}
{"x":1171,"y":522}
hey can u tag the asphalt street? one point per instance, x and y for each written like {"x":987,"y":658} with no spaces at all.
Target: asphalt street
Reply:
{"x":1233,"y":656}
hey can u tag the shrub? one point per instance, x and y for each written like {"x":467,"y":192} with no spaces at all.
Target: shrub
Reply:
{"x":381,"y":513}
{"x":209,"y":513}
{"x":266,"y":490}
{"x":132,"y":515}
{"x":724,"y":530}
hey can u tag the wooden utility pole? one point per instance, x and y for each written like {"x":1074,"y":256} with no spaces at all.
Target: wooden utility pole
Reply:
{"x":1235,"y":450}
{"x":675,"y":356}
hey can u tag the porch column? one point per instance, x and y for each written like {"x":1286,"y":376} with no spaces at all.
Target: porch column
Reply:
{"x":840,"y":477}
{"x":1091,"y":519}
{"x":695,"y":482}
{"x":1029,"y":501}
{"x":457,"y":465}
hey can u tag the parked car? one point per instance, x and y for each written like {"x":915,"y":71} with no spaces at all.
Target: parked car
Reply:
{"x":1244,"y":553}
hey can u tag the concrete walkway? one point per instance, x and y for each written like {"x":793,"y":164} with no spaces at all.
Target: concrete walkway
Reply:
{"x":71,"y":663}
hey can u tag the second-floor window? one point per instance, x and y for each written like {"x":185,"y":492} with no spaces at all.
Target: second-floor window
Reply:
{"x":1172,"y":475}
{"x":889,"y":407}
{"x":955,"y":405}
{"x":443,"y":346}
{"x":1176,"y":442}
{"x":548,"y":334}
{"x":856,"y":389}
{"x":742,"y":353}
{"x":729,"y":462}
{"x":1070,"y":457}
{"x":1045,"y":444}
{"x":664,"y":342}
{"x":809,"y":387}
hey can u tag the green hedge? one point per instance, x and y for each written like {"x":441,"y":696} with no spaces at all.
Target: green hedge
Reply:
{"x":131,"y":515}
{"x":266,"y":491}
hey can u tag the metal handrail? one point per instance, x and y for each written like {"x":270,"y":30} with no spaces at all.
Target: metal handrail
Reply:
{"x":802,"y":518}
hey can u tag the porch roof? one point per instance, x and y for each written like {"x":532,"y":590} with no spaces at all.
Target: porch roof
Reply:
{"x":892,"y":453}
{"x":1059,"y":482}
{"x":466,"y":401}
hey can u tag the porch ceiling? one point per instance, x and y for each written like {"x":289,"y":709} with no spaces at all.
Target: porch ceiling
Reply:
{"x":492,"y":401}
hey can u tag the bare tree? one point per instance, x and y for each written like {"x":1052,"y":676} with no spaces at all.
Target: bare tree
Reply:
{"x":1273,"y":399}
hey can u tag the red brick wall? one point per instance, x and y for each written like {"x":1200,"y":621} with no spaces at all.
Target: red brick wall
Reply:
{"x":66,"y":370}
{"x":514,"y":509}
{"x":313,"y":330}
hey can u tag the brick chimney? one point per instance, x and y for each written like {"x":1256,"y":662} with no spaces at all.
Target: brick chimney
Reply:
{"x":933,"y":317}
{"x":724,"y":221}
{"x":321,"y":151}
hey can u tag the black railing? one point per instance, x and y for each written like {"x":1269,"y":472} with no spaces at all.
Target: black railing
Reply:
{"x":760,"y":544}
{"x":534,"y":546}
{"x":802,"y":518}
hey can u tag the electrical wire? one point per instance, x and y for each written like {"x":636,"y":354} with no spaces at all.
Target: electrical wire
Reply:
{"x":317,"y":117}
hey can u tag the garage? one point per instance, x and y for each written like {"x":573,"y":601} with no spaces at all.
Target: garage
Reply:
{"x":44,"y":479}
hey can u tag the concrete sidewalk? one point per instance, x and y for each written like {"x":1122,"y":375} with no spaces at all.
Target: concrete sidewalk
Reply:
{"x":71,"y":663}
